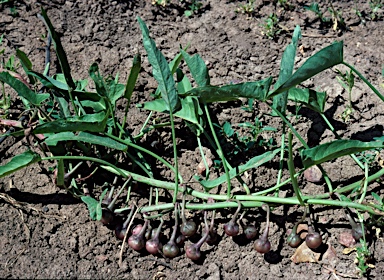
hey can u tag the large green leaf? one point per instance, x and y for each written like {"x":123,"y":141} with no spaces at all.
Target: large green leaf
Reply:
{"x":322,"y":60}
{"x":286,"y":70}
{"x":91,"y":122}
{"x":19,"y":162}
{"x":161,"y":71}
{"x":208,"y":94}
{"x":198,"y":68}
{"x":62,"y":57}
{"x":53,"y":139}
{"x":252,"y":163}
{"x":24,"y":91}
{"x":336,"y":149}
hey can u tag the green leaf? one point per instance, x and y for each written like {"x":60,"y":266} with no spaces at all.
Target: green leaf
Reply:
{"x":26,"y":63}
{"x":19,"y":162}
{"x":161,"y":71}
{"x":52,"y":140}
{"x":184,"y":85}
{"x":336,"y":149}
{"x":23,"y":90}
{"x":190,"y":109}
{"x":310,"y":98}
{"x":91,"y":122}
{"x":198,"y":68}
{"x":227,"y":128}
{"x":208,"y":94}
{"x":286,"y":70}
{"x":377,"y":198}
{"x":252,"y":163}
{"x":131,"y":82}
{"x":93,"y":207}
{"x":62,"y":57}
{"x":63,"y":88}
{"x":322,"y":60}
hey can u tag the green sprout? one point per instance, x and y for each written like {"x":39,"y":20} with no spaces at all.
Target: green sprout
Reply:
{"x":271,"y":26}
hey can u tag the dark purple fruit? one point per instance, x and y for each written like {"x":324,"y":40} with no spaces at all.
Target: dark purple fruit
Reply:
{"x":107,"y":216}
{"x":313,"y":239}
{"x":153,"y":246}
{"x":180,"y":239}
{"x":137,"y":229}
{"x":231,"y":229}
{"x":120,"y":232}
{"x":193,"y":252}
{"x":188,"y":228}
{"x":262,"y":246}
{"x":212,"y":237}
{"x":137,"y":241}
{"x":293,"y":240}
{"x":250,"y":232}
{"x":171,"y":250}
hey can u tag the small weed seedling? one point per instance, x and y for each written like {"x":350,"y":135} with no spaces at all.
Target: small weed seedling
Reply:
{"x":160,"y":2}
{"x":347,"y":81}
{"x":337,"y":19}
{"x":193,"y":7}
{"x":314,"y":7}
{"x":271,"y":26}
{"x":376,"y":6}
{"x":247,"y":8}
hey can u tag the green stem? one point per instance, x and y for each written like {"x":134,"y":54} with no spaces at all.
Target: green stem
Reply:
{"x":203,"y":157}
{"x":176,"y":167}
{"x":365,"y":184}
{"x":291,"y":167}
{"x":290,"y":126}
{"x":221,"y":154}
{"x":252,"y":204}
{"x":281,"y":162}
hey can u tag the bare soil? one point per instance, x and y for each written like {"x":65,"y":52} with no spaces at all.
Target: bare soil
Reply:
{"x":47,"y":234}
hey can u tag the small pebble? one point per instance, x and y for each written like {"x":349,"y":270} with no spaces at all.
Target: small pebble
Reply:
{"x":313,"y":174}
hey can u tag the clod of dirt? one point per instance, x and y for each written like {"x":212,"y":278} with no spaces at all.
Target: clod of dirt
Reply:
{"x":313,"y":174}
{"x":346,"y":239}
{"x":304,"y":254}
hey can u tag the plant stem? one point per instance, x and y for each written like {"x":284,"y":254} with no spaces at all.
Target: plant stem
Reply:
{"x":176,"y":165}
{"x":365,"y":183}
{"x":291,"y":167}
{"x":221,"y":154}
